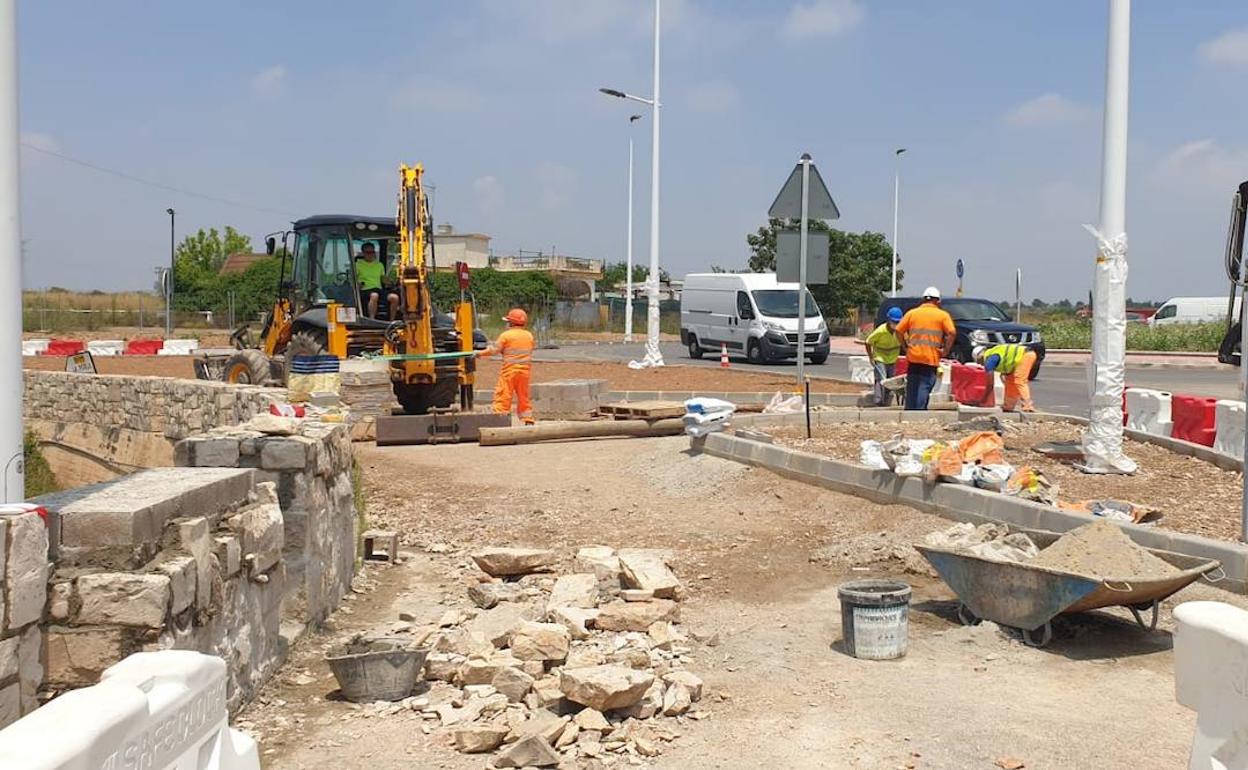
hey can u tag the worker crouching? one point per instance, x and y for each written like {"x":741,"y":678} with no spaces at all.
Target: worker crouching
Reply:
{"x":515,"y":345}
{"x":1015,"y":363}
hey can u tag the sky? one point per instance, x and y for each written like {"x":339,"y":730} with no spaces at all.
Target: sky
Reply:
{"x":259,"y":113}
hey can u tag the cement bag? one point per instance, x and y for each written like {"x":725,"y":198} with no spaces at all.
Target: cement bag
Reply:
{"x":703,"y":405}
{"x":781,"y":405}
{"x":698,"y":425}
{"x":984,"y":447}
{"x":871,"y":454}
{"x":964,"y":476}
{"x":993,"y":477}
{"x":909,"y":465}
{"x":1030,"y":484}
{"x":312,"y":374}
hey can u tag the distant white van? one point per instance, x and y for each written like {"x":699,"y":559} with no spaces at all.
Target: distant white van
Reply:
{"x":750,"y":314}
{"x":1192,"y":310}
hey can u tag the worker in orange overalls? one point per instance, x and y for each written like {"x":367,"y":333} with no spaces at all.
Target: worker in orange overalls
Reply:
{"x":516,"y":347}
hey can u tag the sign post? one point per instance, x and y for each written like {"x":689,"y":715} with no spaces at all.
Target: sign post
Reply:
{"x":1018,"y":296}
{"x":961,"y":270}
{"x":803,"y":197}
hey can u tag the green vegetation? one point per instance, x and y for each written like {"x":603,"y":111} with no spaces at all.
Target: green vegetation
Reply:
{"x":1077,"y":333}
{"x":208,"y":248}
{"x":39,"y":477}
{"x":859,"y":266}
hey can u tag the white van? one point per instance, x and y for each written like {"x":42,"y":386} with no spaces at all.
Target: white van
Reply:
{"x":1192,"y":310}
{"x":748,"y":313}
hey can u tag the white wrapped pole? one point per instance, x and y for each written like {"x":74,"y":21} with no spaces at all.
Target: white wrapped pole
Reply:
{"x":654,"y":356}
{"x":1102,"y":439}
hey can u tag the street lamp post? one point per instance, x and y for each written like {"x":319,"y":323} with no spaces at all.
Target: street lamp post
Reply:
{"x":896,"y":208}
{"x":654,"y":356}
{"x":169,"y":281}
{"x":12,"y":465}
{"x":628,"y":281}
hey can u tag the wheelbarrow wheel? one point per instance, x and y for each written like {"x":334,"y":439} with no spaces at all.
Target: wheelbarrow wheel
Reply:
{"x":1136,"y":610}
{"x":966,"y":617}
{"x":1046,"y":635}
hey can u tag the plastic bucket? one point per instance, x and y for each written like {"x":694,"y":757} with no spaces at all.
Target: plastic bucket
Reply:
{"x":875,"y":618}
{"x":372,"y":669}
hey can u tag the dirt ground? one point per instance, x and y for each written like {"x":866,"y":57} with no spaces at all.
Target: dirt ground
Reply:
{"x":1192,"y":495}
{"x":155,"y":366}
{"x":762,"y":557}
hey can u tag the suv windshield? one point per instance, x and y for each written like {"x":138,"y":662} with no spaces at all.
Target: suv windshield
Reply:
{"x":782,"y":303}
{"x":974,"y":310}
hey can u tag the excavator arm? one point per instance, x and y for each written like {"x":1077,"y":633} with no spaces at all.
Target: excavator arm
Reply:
{"x":1230,"y":351}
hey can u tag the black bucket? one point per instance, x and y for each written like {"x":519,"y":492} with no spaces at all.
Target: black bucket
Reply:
{"x":875,"y":618}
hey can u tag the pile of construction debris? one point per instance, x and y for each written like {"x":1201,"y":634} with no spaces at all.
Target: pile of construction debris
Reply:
{"x":580,"y":668}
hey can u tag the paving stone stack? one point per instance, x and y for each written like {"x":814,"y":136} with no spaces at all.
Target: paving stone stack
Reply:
{"x":23,"y":580}
{"x":367,"y":393}
{"x":567,"y":399}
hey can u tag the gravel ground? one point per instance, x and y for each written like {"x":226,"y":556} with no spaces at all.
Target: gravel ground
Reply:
{"x":1192,"y":495}
{"x":692,"y":378}
{"x":762,"y":557}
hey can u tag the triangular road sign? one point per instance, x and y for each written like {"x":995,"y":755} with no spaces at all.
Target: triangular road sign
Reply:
{"x":789,"y":201}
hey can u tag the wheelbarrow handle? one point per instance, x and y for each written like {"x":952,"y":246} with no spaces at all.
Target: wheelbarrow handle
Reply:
{"x":1109,"y":584}
{"x":1221,"y":574}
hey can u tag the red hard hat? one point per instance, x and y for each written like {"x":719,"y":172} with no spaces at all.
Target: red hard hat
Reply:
{"x":517,"y":317}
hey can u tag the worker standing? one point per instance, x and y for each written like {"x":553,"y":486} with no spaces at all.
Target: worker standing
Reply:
{"x":928,"y":334}
{"x":1015,"y":363}
{"x":883,"y":349}
{"x":515,"y":345}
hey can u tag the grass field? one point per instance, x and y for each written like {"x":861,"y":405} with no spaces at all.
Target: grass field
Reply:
{"x":1196,"y":338}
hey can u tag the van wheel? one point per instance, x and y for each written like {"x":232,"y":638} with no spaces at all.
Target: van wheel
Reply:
{"x":754,"y":352}
{"x":695,"y":350}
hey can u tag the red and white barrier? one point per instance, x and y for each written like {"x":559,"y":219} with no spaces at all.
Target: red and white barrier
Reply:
{"x":159,"y":710}
{"x":1195,"y":419}
{"x":34,"y":347}
{"x":1210,"y":657}
{"x":142,"y":347}
{"x":1148,"y":411}
{"x":106,"y":347}
{"x":136,"y":347}
{"x":967,"y":383}
{"x":64,"y":347}
{"x":179,"y":348}
{"x":1229,"y":420}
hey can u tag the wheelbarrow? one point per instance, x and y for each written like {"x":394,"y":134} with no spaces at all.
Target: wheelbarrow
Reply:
{"x":1028,"y":597}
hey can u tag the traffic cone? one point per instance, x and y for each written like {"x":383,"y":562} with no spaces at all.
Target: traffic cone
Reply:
{"x":723,"y":356}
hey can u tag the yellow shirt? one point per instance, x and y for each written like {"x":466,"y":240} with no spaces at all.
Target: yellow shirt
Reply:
{"x":885,"y":347}
{"x":369,"y":273}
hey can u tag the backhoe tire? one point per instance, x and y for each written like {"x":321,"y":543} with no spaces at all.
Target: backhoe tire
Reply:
{"x":419,"y":398}
{"x":247,"y":367}
{"x":305,"y":342}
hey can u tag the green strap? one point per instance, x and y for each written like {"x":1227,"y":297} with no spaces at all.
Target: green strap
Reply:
{"x":423,"y":356}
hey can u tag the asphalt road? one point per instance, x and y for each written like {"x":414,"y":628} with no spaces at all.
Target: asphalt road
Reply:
{"x":1057,"y":389}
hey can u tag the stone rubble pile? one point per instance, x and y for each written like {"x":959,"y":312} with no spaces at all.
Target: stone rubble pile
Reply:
{"x":583,"y":669}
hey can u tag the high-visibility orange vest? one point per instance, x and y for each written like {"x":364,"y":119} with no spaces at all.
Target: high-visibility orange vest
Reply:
{"x":924,"y":329}
{"x":516,"y":347}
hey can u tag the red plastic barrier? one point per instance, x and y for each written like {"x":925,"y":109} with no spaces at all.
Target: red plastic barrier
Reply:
{"x":1194,"y":419}
{"x":902,"y":366}
{"x":968,"y":385}
{"x":65,"y":347}
{"x":143,"y":347}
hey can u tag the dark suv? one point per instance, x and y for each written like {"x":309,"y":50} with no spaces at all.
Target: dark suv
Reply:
{"x":979,"y":322}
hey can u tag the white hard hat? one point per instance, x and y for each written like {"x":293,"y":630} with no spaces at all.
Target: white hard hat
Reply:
{"x":978,"y":353}
{"x":931,"y":292}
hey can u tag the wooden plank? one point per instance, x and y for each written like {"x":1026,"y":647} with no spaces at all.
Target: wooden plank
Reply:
{"x":555,"y":431}
{"x":643,"y":410}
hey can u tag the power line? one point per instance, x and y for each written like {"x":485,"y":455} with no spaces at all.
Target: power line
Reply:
{"x":150,"y":183}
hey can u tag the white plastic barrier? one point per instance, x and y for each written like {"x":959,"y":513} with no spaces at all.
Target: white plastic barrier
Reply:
{"x":1210,"y":661}
{"x":179,"y":347}
{"x":106,"y":347}
{"x":944,"y":380}
{"x":154,"y":710}
{"x":34,"y":347}
{"x":860,"y":370}
{"x":1149,"y":411}
{"x":1229,"y":421}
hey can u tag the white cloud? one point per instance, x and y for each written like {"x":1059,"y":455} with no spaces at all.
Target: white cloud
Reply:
{"x":40,"y":141}
{"x":269,"y":80}
{"x":1047,"y":110}
{"x":714,"y":97}
{"x":428,"y":93}
{"x":823,"y":18}
{"x":1231,"y":47}
{"x":556,"y":186}
{"x":1202,"y":168}
{"x":488,"y":193}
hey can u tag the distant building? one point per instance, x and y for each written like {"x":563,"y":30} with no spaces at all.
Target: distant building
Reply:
{"x":452,"y":247}
{"x":238,"y":263}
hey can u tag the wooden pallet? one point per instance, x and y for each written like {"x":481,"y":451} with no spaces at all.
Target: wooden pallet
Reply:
{"x":643,"y":410}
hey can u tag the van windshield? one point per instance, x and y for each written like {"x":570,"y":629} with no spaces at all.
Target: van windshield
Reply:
{"x":782,"y":303}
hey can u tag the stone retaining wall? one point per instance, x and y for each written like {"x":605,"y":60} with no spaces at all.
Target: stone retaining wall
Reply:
{"x":23,"y":592}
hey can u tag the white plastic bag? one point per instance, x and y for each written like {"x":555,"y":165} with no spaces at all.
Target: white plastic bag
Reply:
{"x":779,"y":404}
{"x":908,"y":465}
{"x":871,"y":455}
{"x":993,"y":477}
{"x":703,"y":405}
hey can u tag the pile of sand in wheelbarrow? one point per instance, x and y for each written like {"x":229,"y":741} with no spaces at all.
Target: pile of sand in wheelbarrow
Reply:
{"x":1102,"y":549}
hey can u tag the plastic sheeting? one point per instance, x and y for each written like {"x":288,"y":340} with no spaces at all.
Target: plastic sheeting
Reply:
{"x":860,"y":370}
{"x":654,"y":356}
{"x":1102,"y":439}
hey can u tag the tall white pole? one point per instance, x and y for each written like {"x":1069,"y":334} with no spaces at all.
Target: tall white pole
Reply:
{"x":654,"y":356}
{"x":628,"y":282}
{"x":10,"y":263}
{"x":1102,"y":440}
{"x":896,"y":205}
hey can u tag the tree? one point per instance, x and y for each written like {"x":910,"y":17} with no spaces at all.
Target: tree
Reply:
{"x":859,"y":265}
{"x":616,"y":275}
{"x":208,"y":250}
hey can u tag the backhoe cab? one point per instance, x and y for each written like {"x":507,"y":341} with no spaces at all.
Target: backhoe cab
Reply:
{"x":1230,"y":352}
{"x":319,"y":309}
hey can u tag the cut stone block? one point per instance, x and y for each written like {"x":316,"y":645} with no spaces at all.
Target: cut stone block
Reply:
{"x":124,"y":598}
{"x":26,"y":570}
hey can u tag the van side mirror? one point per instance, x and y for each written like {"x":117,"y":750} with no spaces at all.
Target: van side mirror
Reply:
{"x":746,"y":313}
{"x":270,"y":245}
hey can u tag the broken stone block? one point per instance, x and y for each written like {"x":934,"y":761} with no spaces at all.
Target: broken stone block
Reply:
{"x":568,"y":736}
{"x":585,"y":657}
{"x":442,"y":666}
{"x":636,"y":595}
{"x":25,"y":569}
{"x":205,"y":452}
{"x":534,"y":668}
{"x":273,"y":425}
{"x":488,"y":595}
{"x":124,"y":599}
{"x":600,"y":560}
{"x":543,"y":724}
{"x":513,"y":683}
{"x":497,"y":624}
{"x":631,"y":657}
{"x":532,"y":751}
{"x":182,"y":574}
{"x":8,"y":657}
{"x":661,"y":635}
{"x":483,"y":670}
{"x":547,"y":693}
{"x":58,"y":601}
{"x":635,"y":616}
{"x":676,"y":700}
{"x":592,"y":719}
{"x":540,"y":641}
{"x":648,"y":705}
{"x":604,"y":687}
{"x":575,"y":619}
{"x":461,"y":642}
{"x":579,"y":590}
{"x":478,"y":739}
{"x":77,"y":657}
{"x":229,"y":553}
{"x":503,"y":562}
{"x":261,"y":529}
{"x":646,"y":569}
{"x":689,"y":681}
